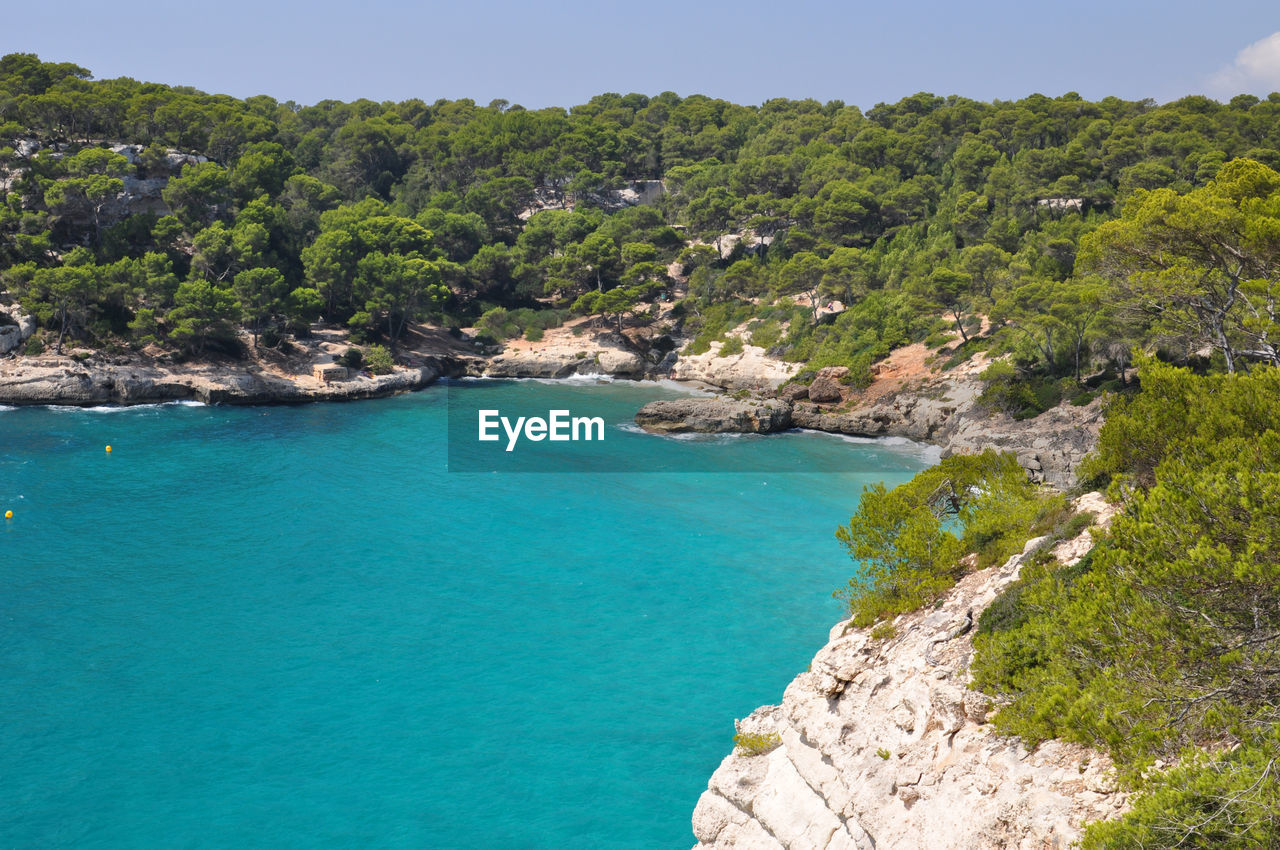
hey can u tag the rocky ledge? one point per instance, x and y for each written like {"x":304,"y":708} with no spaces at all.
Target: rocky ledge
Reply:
{"x":883,"y":744}
{"x":751,"y":369}
{"x":561,"y":355}
{"x":715,"y":415}
{"x":65,"y":382}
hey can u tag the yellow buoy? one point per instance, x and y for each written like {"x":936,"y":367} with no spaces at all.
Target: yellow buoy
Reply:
{"x":108,"y":449}
{"x":8,"y":514}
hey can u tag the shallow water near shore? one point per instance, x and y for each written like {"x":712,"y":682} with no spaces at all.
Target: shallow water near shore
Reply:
{"x":292,"y":627}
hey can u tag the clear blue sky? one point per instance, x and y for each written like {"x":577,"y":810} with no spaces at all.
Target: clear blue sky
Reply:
{"x":560,"y":52}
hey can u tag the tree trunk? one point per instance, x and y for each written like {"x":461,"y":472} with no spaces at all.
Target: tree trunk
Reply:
{"x":960,"y":325}
{"x":62,"y":329}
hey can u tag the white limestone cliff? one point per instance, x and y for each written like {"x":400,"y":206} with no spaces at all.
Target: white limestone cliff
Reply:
{"x":882,"y":744}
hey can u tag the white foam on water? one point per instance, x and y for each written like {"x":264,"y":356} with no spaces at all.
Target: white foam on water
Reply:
{"x":576,"y":378}
{"x":120,"y":408}
{"x":927,"y":452}
{"x":688,"y":437}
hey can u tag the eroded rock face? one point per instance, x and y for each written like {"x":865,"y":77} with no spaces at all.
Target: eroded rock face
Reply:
{"x":605,"y":354}
{"x":946,"y":413}
{"x":15,"y":328}
{"x":883,"y":745}
{"x":58,"y":382}
{"x":753,"y":369}
{"x":715,"y":415}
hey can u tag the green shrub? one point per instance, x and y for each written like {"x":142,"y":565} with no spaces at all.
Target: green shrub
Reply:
{"x":1083,"y":397}
{"x":965,"y":351}
{"x":1228,"y":800}
{"x":1006,"y":514}
{"x":1011,"y":610}
{"x":352,"y":358}
{"x":379,"y":360}
{"x":765,"y":333}
{"x":533,"y":334}
{"x":884,"y":631}
{"x":937,"y":340}
{"x":733,"y":345}
{"x":1021,"y":396}
{"x":34,"y":346}
{"x":498,"y":323}
{"x":1075,"y":525}
{"x":1163,"y":638}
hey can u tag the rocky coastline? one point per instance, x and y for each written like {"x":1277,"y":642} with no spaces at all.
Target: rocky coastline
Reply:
{"x":932,"y":406}
{"x":62,"y":381}
{"x":881,"y":743}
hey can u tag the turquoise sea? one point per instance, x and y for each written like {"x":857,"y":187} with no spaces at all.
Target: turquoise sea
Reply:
{"x":292,"y":627}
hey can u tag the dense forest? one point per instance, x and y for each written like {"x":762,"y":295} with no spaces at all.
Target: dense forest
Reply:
{"x":1079,"y":238}
{"x":141,"y":213}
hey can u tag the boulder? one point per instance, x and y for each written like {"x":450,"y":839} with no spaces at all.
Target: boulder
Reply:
{"x":793,"y":392}
{"x":827,"y":386}
{"x":15,"y":328}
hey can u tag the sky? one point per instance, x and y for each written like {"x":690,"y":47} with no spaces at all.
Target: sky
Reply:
{"x":539,"y":53}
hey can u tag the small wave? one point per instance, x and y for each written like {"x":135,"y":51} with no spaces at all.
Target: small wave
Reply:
{"x":121,"y":408}
{"x":687,"y":437}
{"x":571,"y":379}
{"x":6,"y":407}
{"x":925,"y":451}
{"x":577,"y":378}
{"x":710,"y":438}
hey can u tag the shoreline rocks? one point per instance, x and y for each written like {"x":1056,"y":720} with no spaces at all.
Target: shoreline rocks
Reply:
{"x":1048,"y":447}
{"x":938,"y":409}
{"x":715,"y":416}
{"x":53,"y":382}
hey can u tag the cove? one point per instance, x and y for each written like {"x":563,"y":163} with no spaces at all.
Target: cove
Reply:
{"x":294,"y":627}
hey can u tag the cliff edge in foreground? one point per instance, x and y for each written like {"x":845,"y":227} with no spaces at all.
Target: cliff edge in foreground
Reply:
{"x":881,"y":744}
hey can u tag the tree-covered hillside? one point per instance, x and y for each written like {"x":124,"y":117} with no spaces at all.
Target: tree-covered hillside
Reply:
{"x":138,"y":212}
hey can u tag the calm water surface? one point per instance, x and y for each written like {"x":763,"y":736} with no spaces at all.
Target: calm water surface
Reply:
{"x":292,"y":627}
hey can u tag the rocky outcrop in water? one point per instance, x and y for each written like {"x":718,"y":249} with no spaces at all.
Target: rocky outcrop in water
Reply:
{"x":1049,"y":447}
{"x":939,"y":408}
{"x":715,"y":416}
{"x":882,"y":744}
